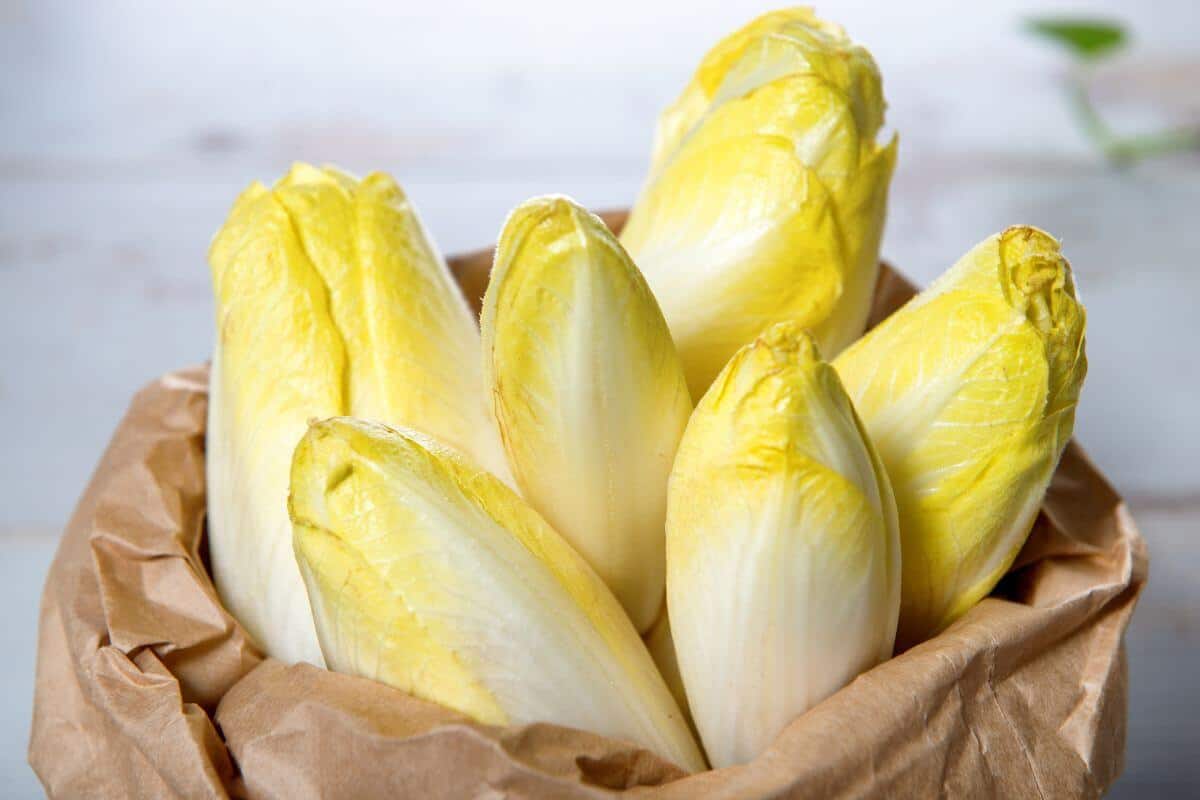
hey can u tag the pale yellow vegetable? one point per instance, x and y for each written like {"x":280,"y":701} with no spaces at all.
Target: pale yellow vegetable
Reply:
{"x":588,"y":392}
{"x":662,"y":649}
{"x":429,"y":574}
{"x":767,"y":193}
{"x":330,"y":299}
{"x":969,"y":393}
{"x":783,"y":570}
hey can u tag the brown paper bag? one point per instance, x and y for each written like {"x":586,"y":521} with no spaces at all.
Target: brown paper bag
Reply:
{"x":146,"y":687}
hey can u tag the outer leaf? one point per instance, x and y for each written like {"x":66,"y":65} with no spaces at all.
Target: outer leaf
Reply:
{"x":783,"y":574}
{"x":969,"y":393}
{"x":411,"y":337}
{"x":588,"y":390}
{"x":661,"y":645}
{"x":767,"y":192}
{"x":430,"y":575}
{"x":269,"y":300}
{"x":330,"y":299}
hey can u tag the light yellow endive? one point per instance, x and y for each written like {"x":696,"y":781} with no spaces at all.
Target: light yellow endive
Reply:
{"x":661,"y":645}
{"x":767,"y":192}
{"x":969,"y":393}
{"x":330,"y":299}
{"x":429,"y":574}
{"x":588,"y":392}
{"x":783,"y":554}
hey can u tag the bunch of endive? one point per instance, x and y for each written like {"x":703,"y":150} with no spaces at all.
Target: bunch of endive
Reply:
{"x":494,"y":521}
{"x":331,"y":299}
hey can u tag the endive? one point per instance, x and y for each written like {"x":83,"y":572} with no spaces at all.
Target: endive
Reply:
{"x":429,"y":574}
{"x":661,"y":645}
{"x":330,"y":299}
{"x":783,"y":571}
{"x":969,"y":393}
{"x":588,"y":392}
{"x":767,"y":192}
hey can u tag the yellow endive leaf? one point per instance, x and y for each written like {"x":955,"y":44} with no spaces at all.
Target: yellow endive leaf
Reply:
{"x":429,"y":574}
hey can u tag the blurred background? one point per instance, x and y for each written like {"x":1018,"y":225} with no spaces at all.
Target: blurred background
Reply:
{"x":127,"y":128}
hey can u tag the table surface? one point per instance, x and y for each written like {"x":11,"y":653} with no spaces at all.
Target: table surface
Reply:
{"x":126,"y":130}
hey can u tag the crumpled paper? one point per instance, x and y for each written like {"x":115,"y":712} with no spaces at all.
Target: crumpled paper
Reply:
{"x":146,"y":687}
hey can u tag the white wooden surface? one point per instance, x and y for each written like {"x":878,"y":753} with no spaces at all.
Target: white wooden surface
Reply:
{"x":126,"y":129}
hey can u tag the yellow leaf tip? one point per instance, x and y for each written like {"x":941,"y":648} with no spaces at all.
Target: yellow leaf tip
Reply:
{"x":791,"y":340}
{"x":1037,"y":276}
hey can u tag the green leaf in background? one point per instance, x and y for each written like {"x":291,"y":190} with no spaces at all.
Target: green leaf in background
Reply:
{"x":1087,"y":39}
{"x":1090,"y":40}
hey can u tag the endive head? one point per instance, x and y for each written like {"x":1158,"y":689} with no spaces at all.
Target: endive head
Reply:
{"x":969,"y":392}
{"x":780,"y":44}
{"x":406,"y":334}
{"x":767,"y":193}
{"x":408,"y":331}
{"x":429,"y":574}
{"x":330,"y":299}
{"x":783,"y":564}
{"x":588,"y":391}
